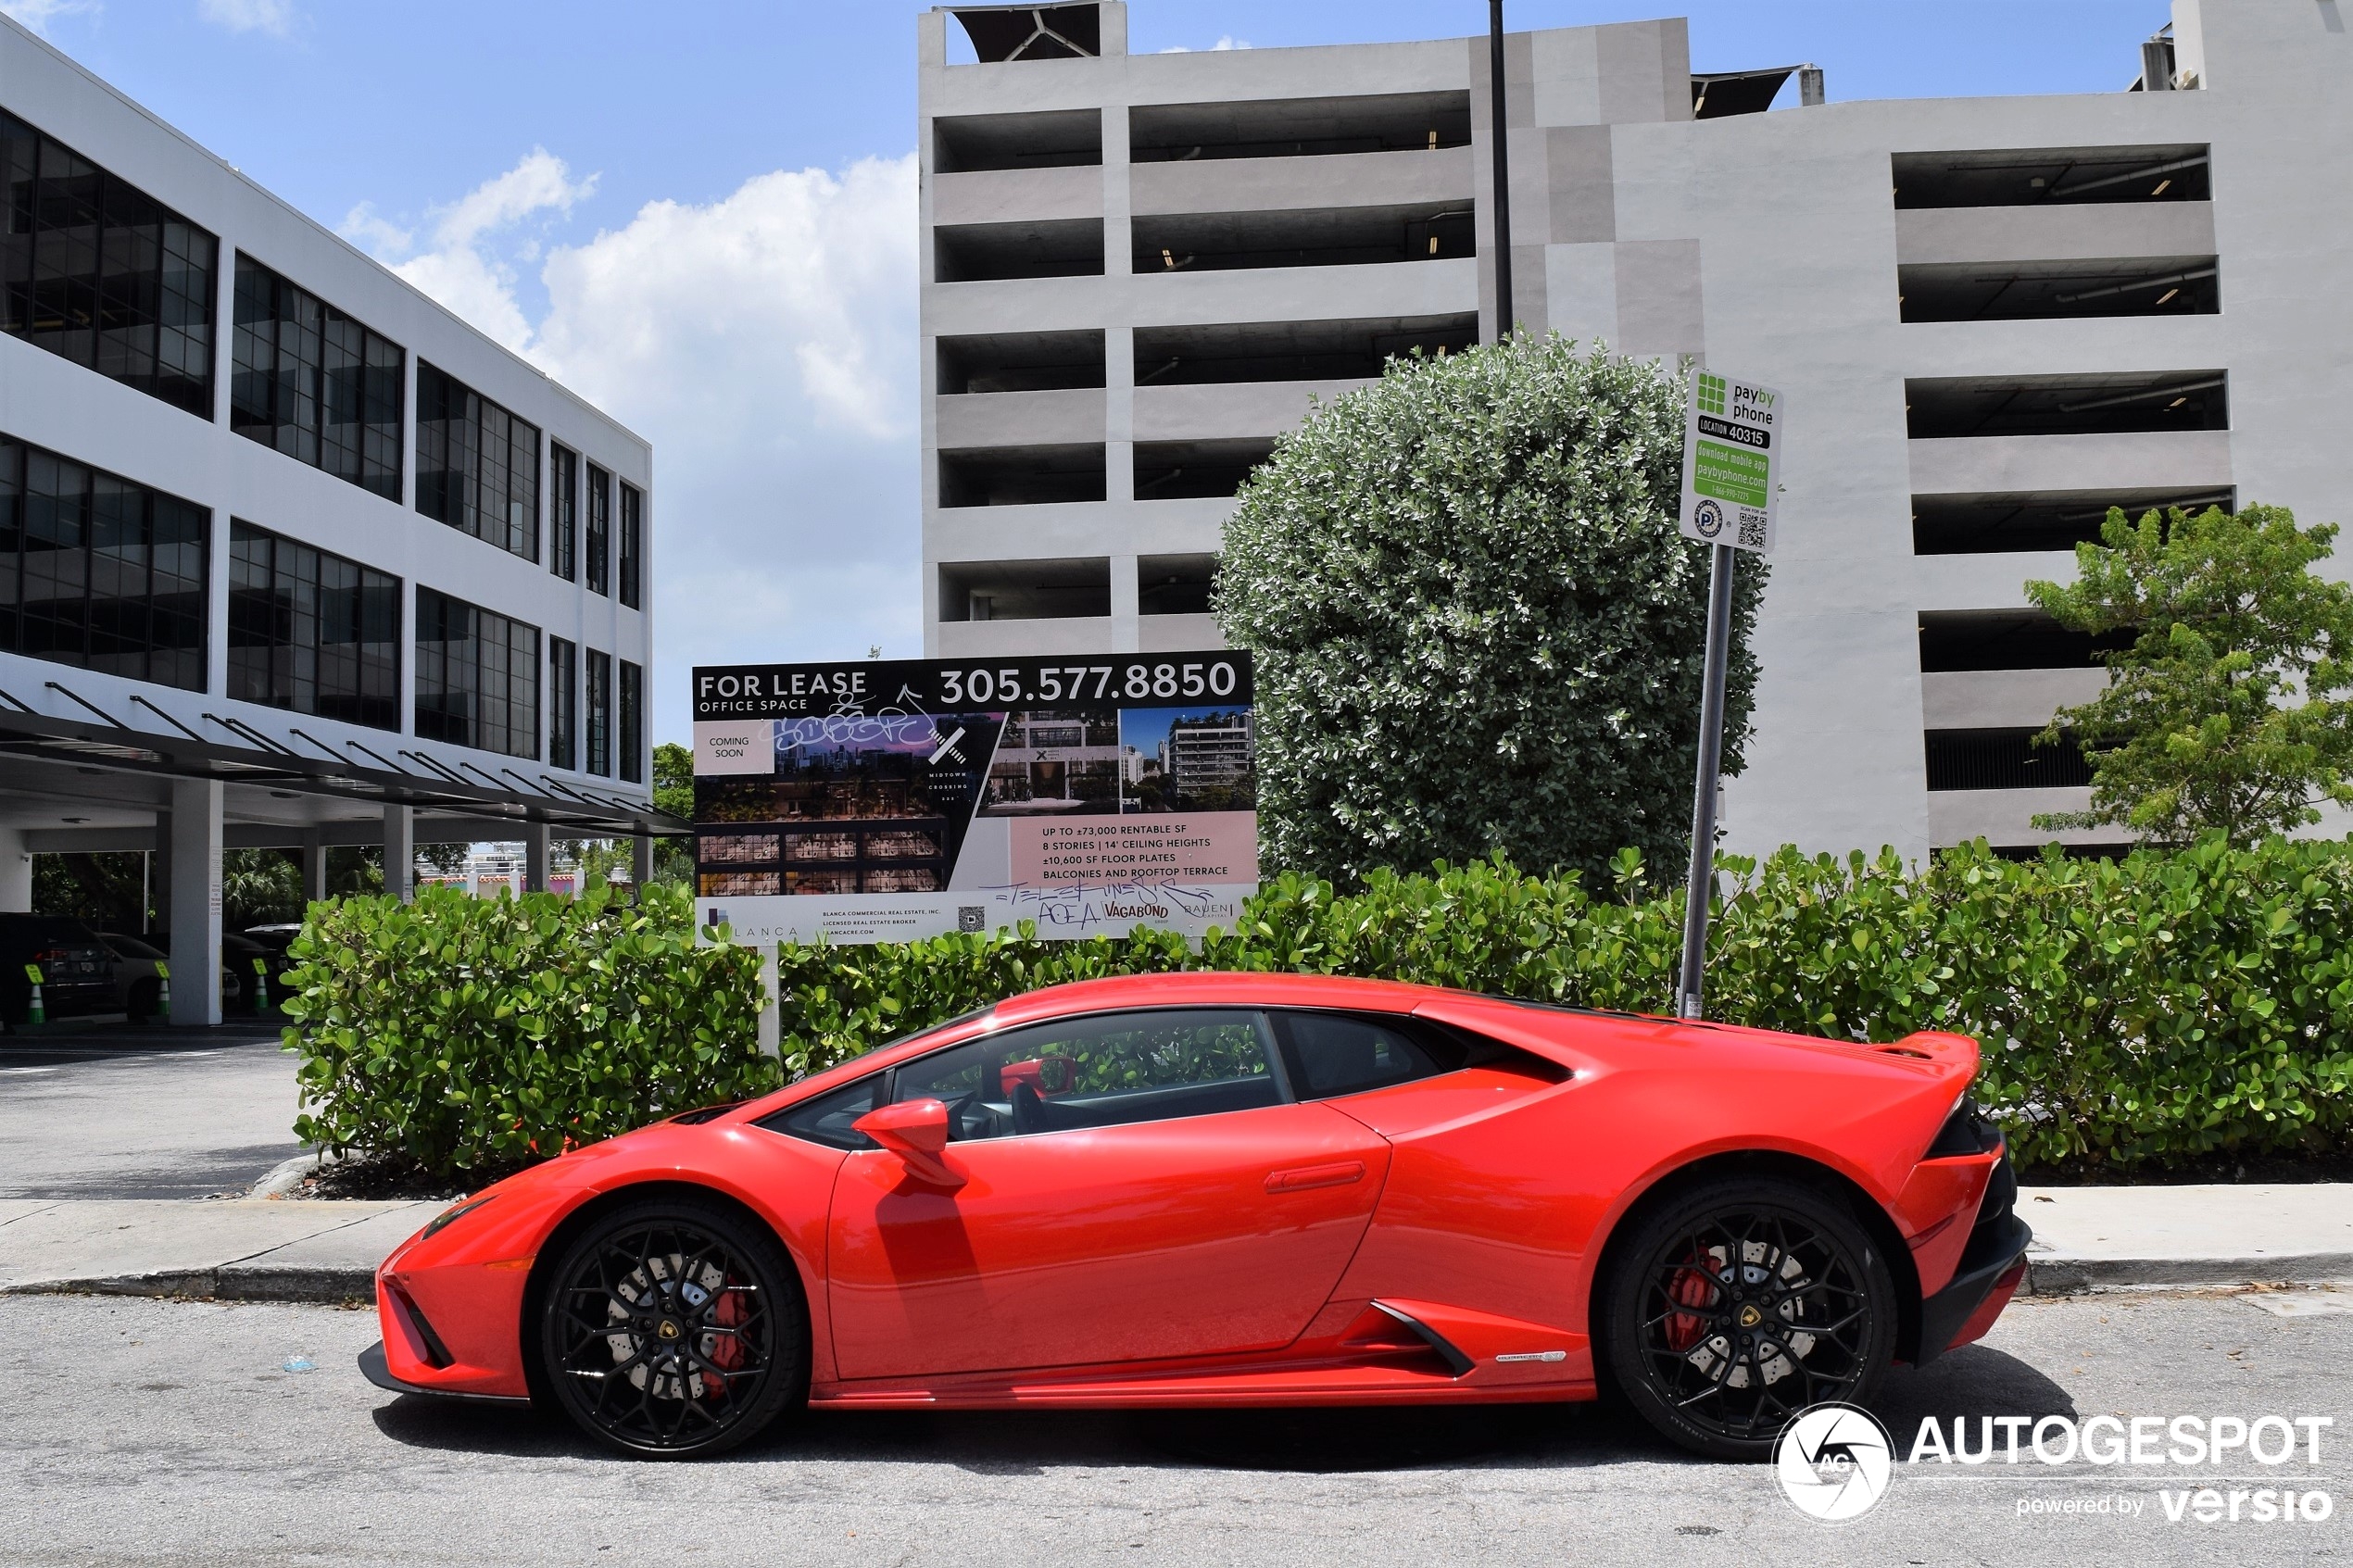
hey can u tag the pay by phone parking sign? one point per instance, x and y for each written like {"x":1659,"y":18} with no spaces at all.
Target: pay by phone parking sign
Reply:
{"x":1731,"y":461}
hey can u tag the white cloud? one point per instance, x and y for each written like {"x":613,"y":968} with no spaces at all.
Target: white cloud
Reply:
{"x":765,"y":344}
{"x":272,"y":17}
{"x":467,"y":266}
{"x":38,"y":14}
{"x":1226,"y":41}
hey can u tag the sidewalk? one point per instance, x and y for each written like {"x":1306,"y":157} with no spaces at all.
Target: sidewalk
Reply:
{"x":252,"y":1249}
{"x":2085,"y":1239}
{"x":2088,"y":1238}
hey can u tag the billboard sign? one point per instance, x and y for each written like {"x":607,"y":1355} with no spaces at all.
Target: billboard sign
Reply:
{"x":884,"y":802}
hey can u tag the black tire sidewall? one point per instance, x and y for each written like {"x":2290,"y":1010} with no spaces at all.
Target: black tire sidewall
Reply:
{"x":1628,"y":1377}
{"x":779,"y":1283}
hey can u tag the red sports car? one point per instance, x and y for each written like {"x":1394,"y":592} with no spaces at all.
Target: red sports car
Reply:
{"x":1242,"y":1189}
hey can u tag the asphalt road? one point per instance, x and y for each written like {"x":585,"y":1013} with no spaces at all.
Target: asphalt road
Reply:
{"x":150,"y":1432}
{"x":144,"y":1112}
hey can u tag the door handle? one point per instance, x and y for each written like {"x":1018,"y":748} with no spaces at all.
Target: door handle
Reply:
{"x":1299,"y":1178}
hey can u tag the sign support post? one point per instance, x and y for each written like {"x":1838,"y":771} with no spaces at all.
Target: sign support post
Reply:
{"x":1731,"y":469}
{"x":1711,"y":764}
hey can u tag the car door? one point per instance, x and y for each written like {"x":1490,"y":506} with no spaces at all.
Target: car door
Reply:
{"x":1134,"y":1186}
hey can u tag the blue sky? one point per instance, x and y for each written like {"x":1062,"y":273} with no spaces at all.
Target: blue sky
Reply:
{"x":599,"y":184}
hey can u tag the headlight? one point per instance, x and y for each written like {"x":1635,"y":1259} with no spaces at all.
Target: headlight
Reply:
{"x":464,"y":1206}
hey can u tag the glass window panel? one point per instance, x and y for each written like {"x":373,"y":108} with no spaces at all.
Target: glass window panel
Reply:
{"x":317,"y":385}
{"x":96,"y":271}
{"x":600,"y":713}
{"x":564,"y":703}
{"x":632,"y":722}
{"x":599,"y":530}
{"x":477,"y":677}
{"x":98,"y":571}
{"x":632,"y":525}
{"x":312,"y":631}
{"x":1103,"y":1071}
{"x":477,"y":465}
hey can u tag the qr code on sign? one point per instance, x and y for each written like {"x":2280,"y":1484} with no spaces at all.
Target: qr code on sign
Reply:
{"x":972,"y":916}
{"x":1752,"y":533}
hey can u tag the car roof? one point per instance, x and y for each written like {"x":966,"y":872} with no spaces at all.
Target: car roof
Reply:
{"x":1203,"y":987}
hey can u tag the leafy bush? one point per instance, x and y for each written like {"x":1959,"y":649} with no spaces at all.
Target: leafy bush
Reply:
{"x":2143,"y":1012}
{"x":469,"y":1035}
{"x":1475,"y":625}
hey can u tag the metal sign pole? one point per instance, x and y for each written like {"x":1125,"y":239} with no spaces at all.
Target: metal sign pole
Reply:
{"x":1687,"y":984}
{"x":1496,"y":120}
{"x":1731,"y":472}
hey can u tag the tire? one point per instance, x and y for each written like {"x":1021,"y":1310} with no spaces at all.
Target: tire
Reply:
{"x":1718,"y":1358}
{"x":643,"y":1363}
{"x":145,"y":1000}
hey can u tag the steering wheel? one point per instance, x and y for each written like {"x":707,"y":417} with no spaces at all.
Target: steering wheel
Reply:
{"x":959,"y":1130}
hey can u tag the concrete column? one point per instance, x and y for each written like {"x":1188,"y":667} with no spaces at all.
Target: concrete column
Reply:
{"x":1127,"y":631}
{"x":641,"y":858}
{"x":159,"y":876}
{"x":314,"y":866}
{"x":535,"y":858}
{"x":16,"y":873}
{"x":400,"y":852}
{"x":195,"y":901}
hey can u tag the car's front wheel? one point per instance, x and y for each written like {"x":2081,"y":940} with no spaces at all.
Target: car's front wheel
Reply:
{"x":1737,"y":1304}
{"x":673,"y":1327}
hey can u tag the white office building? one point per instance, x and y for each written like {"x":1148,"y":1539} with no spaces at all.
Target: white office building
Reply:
{"x":1992,"y":316}
{"x":289,"y":555}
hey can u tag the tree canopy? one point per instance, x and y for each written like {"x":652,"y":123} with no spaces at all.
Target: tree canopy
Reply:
{"x":2228,"y":713}
{"x":1475,"y":625}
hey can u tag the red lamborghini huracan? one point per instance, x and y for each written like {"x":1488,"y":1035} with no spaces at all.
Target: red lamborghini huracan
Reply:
{"x":1241,"y":1189}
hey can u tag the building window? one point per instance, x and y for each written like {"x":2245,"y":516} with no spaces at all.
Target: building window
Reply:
{"x":312,"y":631}
{"x":477,"y":677}
{"x":314,"y":384}
{"x":600,"y":713}
{"x":632,"y":722}
{"x":600,"y":531}
{"x":98,"y":572}
{"x":96,"y":271}
{"x":632,"y":545}
{"x":477,"y":465}
{"x":563,"y":704}
{"x":563,"y":473}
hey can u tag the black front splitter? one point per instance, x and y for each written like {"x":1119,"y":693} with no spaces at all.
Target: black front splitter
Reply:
{"x":373,"y":1367}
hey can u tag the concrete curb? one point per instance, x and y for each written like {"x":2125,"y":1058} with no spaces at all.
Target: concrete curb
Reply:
{"x":2074,"y":1277}
{"x":328,"y":1286}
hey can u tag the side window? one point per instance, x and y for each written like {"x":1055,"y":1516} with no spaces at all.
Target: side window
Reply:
{"x":1340,"y":1053}
{"x":827,"y":1118}
{"x":1100,"y":1071}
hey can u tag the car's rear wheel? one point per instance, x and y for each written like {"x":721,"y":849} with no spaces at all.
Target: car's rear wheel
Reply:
{"x":673,"y":1327}
{"x":1737,"y":1304}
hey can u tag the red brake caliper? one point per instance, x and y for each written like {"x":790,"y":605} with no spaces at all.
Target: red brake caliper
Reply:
{"x":1689,"y":1286}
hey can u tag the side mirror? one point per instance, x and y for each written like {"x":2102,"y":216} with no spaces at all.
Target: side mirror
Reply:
{"x":916,"y":1131}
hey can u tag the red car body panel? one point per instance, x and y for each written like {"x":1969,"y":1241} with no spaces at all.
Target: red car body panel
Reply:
{"x":1271,"y":1255}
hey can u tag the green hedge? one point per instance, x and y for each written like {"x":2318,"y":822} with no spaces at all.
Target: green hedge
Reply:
{"x":2158,"y":1011}
{"x":468,"y":1035}
{"x":2149,"y":1011}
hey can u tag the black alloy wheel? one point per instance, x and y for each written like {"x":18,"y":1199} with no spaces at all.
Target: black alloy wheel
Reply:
{"x":1740,"y":1303}
{"x":675,"y":1328}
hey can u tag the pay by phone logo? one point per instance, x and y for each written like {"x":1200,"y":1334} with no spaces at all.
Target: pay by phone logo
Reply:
{"x":1711,"y":394}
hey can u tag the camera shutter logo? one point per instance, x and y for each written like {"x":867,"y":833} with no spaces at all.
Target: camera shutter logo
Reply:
{"x":1833,"y":1463}
{"x":1708,"y":518}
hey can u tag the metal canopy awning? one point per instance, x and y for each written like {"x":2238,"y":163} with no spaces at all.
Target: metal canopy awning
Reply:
{"x":433,"y":783}
{"x":1736,"y":92}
